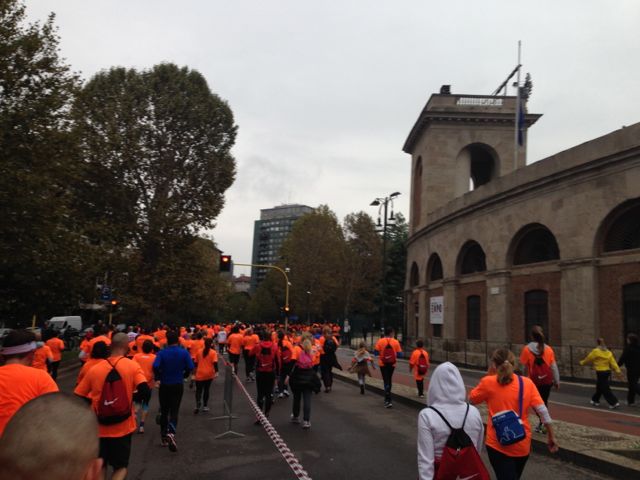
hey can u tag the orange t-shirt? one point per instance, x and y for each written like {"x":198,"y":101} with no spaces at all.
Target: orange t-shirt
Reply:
{"x":205,"y":369}
{"x":56,"y":345}
{"x":505,"y":397}
{"x":84,"y":347}
{"x":40,"y":358}
{"x":18,"y":385}
{"x":91,"y":387}
{"x":316,"y":351}
{"x":196,"y":346}
{"x":140,"y":339}
{"x":413,"y":362}
{"x":527,"y":357}
{"x":234,"y":343}
{"x":250,"y":341}
{"x":99,"y":338}
{"x":296,"y":352}
{"x":88,"y":365}
{"x":382,"y":343}
{"x":145,"y":360}
{"x":160,"y":334}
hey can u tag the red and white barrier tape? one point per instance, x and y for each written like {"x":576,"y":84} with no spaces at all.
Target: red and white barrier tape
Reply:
{"x":282,"y":447}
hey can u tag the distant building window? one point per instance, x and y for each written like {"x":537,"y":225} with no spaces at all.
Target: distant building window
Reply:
{"x":414,"y":281}
{"x":536,"y":312}
{"x":434,"y":268}
{"x":473,"y":317}
{"x":631,"y":308}
{"x":437,"y":330}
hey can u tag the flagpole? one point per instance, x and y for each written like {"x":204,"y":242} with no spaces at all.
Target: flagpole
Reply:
{"x":517,"y":114}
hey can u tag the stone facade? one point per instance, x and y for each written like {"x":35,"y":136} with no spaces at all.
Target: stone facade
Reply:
{"x":540,"y":228}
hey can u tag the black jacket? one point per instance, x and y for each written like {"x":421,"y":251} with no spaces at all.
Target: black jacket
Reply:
{"x":631,"y":358}
{"x":304,"y":378}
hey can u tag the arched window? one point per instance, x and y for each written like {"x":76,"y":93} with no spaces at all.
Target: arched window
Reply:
{"x":417,"y":193}
{"x":534,"y":244}
{"x":482,"y":165}
{"x":623,"y":228}
{"x":434,"y":268}
{"x":473,"y":317}
{"x":631,"y":308}
{"x":536,"y":311}
{"x":471,"y":258}
{"x":414,"y":279}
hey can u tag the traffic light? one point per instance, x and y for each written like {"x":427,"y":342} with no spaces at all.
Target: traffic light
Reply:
{"x":286,"y":309}
{"x":114,"y":302}
{"x":225,"y":263}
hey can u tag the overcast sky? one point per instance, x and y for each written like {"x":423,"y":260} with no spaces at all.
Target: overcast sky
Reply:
{"x":325,"y":92}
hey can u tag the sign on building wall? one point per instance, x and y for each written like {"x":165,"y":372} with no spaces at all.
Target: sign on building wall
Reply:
{"x":436,"y":310}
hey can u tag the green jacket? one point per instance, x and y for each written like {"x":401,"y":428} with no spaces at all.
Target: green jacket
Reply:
{"x":602,"y":360}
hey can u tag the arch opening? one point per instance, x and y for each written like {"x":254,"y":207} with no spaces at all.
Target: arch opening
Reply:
{"x":414,"y":278}
{"x":534,"y":244}
{"x":622,"y":228}
{"x":434,"y":268}
{"x":471,"y":259}
{"x":482,"y":166}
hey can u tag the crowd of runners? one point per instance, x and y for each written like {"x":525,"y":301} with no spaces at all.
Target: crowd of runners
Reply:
{"x":121,"y":370}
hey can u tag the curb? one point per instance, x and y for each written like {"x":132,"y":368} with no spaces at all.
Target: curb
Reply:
{"x":584,"y":460}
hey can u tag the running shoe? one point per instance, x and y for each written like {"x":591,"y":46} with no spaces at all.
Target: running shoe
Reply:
{"x":595,"y":404}
{"x":140,"y":429}
{"x":281,"y":395}
{"x":286,"y":393}
{"x":306,"y":425}
{"x":173,"y":446}
{"x":196,"y":410}
{"x":613,"y":407}
{"x":294,"y":419}
{"x":388,"y":405}
{"x":205,"y":409}
{"x":164,"y":442}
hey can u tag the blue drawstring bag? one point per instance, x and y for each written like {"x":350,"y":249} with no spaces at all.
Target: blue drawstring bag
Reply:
{"x":508,"y":425}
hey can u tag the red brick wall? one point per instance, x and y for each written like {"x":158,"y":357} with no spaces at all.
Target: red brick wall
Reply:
{"x":539,"y":281}
{"x":611,"y":279}
{"x":464,"y":291}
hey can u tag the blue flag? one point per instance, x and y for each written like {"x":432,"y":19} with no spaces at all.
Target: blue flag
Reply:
{"x":520,"y":123}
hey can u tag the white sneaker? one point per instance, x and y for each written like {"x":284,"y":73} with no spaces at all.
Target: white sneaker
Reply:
{"x":306,"y":425}
{"x":613,"y":407}
{"x":294,"y":419}
{"x":595,"y":404}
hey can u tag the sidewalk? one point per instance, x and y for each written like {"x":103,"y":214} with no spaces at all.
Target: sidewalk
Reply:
{"x":612,"y":452}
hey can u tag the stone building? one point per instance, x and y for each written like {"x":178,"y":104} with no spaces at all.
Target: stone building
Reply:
{"x":497,"y":246}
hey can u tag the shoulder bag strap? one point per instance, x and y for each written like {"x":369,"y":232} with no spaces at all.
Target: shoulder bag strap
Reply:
{"x":464,"y":420}
{"x":520,"y":394}
{"x":444,"y":419}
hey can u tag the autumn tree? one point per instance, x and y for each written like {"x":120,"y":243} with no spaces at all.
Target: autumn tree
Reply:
{"x":156,"y":151}
{"x":43,"y":253}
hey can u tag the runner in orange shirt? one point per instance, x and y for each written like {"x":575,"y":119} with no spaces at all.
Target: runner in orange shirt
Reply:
{"x":145,"y":360}
{"x":389,"y":350}
{"x":43,"y":356}
{"x":100,"y":352}
{"x":234,"y":346}
{"x":287,"y":359}
{"x":19,"y":382}
{"x":419,"y":365}
{"x":115,"y":439}
{"x":501,"y":389}
{"x":140,"y":339}
{"x":56,"y":345}
{"x":249,"y":341}
{"x":205,"y":371}
{"x":85,"y":350}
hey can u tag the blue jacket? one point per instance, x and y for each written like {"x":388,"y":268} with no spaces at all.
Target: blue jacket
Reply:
{"x":172,"y":365}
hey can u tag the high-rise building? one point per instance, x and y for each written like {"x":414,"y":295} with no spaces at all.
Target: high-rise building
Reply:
{"x":269,"y":234}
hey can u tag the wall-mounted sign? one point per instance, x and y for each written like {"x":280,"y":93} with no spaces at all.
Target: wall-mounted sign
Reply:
{"x":480,"y":102}
{"x":436,"y":310}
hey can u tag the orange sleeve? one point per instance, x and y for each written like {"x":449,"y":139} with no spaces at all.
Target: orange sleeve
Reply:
{"x":414,"y":358}
{"x":396,"y":346}
{"x":480,"y":393}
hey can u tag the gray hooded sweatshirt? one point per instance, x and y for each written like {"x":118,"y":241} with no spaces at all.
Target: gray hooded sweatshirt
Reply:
{"x":447,"y":393}
{"x":533,"y":346}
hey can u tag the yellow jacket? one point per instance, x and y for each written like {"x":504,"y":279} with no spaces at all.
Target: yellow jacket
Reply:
{"x":602,"y":360}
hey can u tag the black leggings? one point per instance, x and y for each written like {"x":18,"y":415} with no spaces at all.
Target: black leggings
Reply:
{"x":603,"y":388}
{"x":170,"y":397}
{"x":633,"y":387}
{"x":249,"y":362}
{"x":306,"y":398}
{"x":506,"y":467}
{"x":387,"y":375}
{"x":264,"y":382}
{"x":284,"y":373}
{"x":202,"y":392}
{"x":53,"y":369}
{"x":326,"y":372}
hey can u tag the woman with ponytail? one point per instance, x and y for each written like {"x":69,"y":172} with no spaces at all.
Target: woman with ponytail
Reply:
{"x":509,"y":398}
{"x":539,"y":363}
{"x":205,"y":371}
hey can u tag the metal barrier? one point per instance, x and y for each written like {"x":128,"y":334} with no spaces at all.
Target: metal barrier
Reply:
{"x":227,"y":403}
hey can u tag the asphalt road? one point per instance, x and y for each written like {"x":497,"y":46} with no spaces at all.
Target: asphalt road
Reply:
{"x":352,"y":437}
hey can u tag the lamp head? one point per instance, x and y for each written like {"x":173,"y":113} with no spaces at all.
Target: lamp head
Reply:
{"x":375,"y":203}
{"x":394,"y":194}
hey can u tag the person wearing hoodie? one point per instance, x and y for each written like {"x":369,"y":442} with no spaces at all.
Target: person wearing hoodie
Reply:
{"x":266,"y":355}
{"x":631,"y":358}
{"x":447,"y":394}
{"x":539,"y":364}
{"x":603,"y":362}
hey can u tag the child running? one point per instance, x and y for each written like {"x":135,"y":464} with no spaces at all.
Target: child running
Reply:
{"x":419,"y":365}
{"x":360,"y":365}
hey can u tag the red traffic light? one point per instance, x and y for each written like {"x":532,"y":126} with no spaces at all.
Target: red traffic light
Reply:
{"x":114,"y":302}
{"x":286,"y":308}
{"x":225,"y":263}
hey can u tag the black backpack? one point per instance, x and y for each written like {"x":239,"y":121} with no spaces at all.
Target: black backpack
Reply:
{"x":330,"y":346}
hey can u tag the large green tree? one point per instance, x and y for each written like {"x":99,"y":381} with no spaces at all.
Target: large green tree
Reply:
{"x":397,"y":235}
{"x":156,"y":153}
{"x":43,"y":254}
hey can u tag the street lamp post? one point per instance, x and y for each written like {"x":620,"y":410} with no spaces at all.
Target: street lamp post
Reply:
{"x":308,"y":307}
{"x":383,"y":203}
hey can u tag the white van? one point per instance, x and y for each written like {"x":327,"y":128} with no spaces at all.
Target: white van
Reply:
{"x":60,"y":324}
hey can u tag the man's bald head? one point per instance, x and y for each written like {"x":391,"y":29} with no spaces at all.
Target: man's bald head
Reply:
{"x":120,"y":342}
{"x":54,"y":437}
